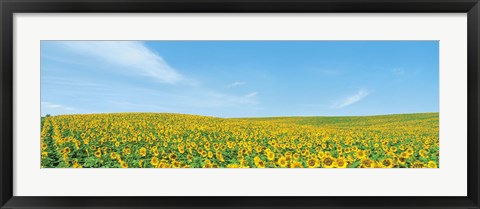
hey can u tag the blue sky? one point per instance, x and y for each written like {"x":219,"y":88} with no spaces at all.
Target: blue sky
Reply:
{"x":240,"y":78}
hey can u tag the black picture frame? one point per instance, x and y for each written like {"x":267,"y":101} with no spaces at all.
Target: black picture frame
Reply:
{"x":9,"y":7}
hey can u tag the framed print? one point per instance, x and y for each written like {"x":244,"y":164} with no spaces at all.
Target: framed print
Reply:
{"x":230,"y":129}
{"x":239,"y":104}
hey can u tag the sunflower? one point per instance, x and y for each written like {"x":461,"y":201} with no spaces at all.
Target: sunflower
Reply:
{"x":163,"y":165}
{"x":282,"y":162}
{"x":327,"y":154}
{"x":172,"y":156}
{"x":410,"y":151}
{"x":367,"y":163}
{"x":296,"y":164}
{"x":387,"y":163}
{"x":210,"y":154}
{"x":243,"y":163}
{"x":321,"y":155}
{"x":432,"y":164}
{"x":177,"y":164}
{"x":126,"y":151}
{"x":417,"y":164}
{"x":270,"y":156}
{"x":98,"y":153}
{"x":341,"y":162}
{"x":288,"y":158}
{"x":304,"y":152}
{"x":402,"y":160}
{"x":123,"y":164}
{"x":143,"y":151}
{"x":233,"y":166}
{"x":260,"y":164}
{"x":113,"y":155}
{"x":288,"y":154}
{"x":391,"y":154}
{"x":313,"y":163}
{"x":181,"y":150}
{"x":423,"y":153}
{"x":219,"y":156}
{"x":350,"y":158}
{"x":256,"y":159}
{"x":65,"y":157}
{"x":66,"y":150}
{"x":328,"y":162}
{"x":154,"y":161}
{"x":77,"y":143}
{"x":44,"y":146}
{"x":393,"y":149}
{"x":296,"y":156}
{"x":361,"y":154}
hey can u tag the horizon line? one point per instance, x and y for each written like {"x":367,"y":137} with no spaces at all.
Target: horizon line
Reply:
{"x":280,"y":116}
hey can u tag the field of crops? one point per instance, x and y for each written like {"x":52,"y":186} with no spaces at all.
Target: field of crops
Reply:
{"x":148,"y":140}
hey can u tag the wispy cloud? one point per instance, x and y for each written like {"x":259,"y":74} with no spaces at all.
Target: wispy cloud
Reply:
{"x":60,"y":59}
{"x":250,"y":95}
{"x":56,"y":106}
{"x":235,"y":84}
{"x":131,"y":55}
{"x":61,"y":81}
{"x":352,"y":99}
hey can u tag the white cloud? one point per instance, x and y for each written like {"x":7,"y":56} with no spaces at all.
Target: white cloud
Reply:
{"x":253,"y":94}
{"x":132,"y":55}
{"x":56,"y":106}
{"x":361,"y":94}
{"x":61,"y":81}
{"x":235,"y":84}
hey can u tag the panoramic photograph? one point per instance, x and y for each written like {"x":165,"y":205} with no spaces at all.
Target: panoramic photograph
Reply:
{"x":239,"y":104}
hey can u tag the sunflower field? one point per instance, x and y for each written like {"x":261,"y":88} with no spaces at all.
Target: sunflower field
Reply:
{"x":164,"y":140}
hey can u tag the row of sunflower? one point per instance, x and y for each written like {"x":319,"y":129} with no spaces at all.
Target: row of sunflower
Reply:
{"x":148,"y":140}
